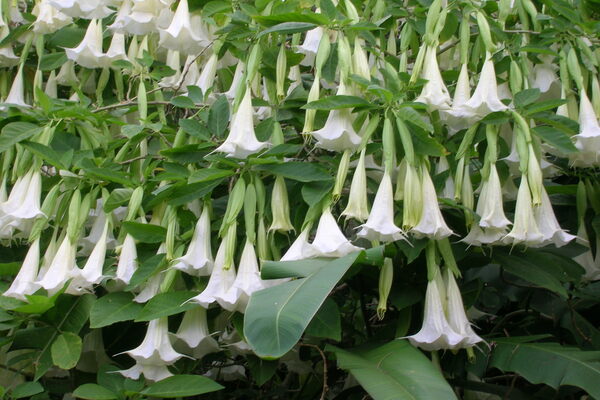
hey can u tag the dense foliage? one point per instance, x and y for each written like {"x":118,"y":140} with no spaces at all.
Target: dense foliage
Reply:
{"x":387,"y":199}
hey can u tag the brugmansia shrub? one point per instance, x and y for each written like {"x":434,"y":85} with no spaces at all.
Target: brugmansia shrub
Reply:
{"x":299,"y":199}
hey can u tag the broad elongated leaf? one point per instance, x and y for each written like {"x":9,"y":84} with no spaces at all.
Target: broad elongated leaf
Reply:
{"x":114,"y":307}
{"x":327,"y":322}
{"x":218,"y":116}
{"x":182,"y":386}
{"x":276,"y":317}
{"x":298,"y":171}
{"x":66,"y":350}
{"x":556,"y":138}
{"x":209,"y":174}
{"x":145,"y":233}
{"x":549,"y":363}
{"x":165,"y":304}
{"x":396,"y":371}
{"x":288,"y":27}
{"x":26,"y":389}
{"x":91,"y":391}
{"x":16,"y":132}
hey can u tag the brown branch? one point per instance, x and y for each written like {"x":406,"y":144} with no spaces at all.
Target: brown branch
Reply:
{"x":324,"y":358}
{"x":187,"y":67}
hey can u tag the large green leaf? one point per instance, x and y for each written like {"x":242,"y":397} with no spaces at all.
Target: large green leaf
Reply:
{"x":145,"y":233}
{"x":165,"y":304}
{"x":298,"y":171}
{"x":91,"y":391}
{"x":549,"y":363}
{"x":337,"y":102}
{"x":114,"y":307}
{"x":16,"y":132}
{"x":218,"y":116}
{"x":66,"y":350}
{"x":277,"y":316}
{"x":396,"y":371}
{"x":181,"y":386}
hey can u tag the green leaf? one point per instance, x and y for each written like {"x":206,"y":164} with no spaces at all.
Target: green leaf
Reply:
{"x":195,"y":94}
{"x":117,"y":198}
{"x":288,"y":27}
{"x":165,"y":304}
{"x":261,"y":370}
{"x":91,"y":391}
{"x":26,"y":389}
{"x":409,"y":114}
{"x":556,"y":138}
{"x":15,"y":132}
{"x":298,"y":171}
{"x":526,"y":97}
{"x":181,"y":386}
{"x":395,"y":370}
{"x":543,"y":106}
{"x":66,"y":350}
{"x":209,"y":174}
{"x":218,"y":116}
{"x":182,"y":102}
{"x":270,"y":20}
{"x":549,"y":363}
{"x":531,"y":272}
{"x":52,"y":61}
{"x":194,"y":128}
{"x":326,"y":322}
{"x":36,"y":304}
{"x":105,"y":174}
{"x":314,"y":192}
{"x":148,"y":268}
{"x":112,"y":308}
{"x":336,"y":102}
{"x":145,"y":233}
{"x":292,"y":269}
{"x":276,"y":317}
{"x":424,"y":144}
{"x":45,"y":153}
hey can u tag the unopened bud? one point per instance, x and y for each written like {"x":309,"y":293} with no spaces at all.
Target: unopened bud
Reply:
{"x":386,"y":278}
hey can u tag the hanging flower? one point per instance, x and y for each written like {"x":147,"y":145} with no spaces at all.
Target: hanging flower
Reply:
{"x":89,"y":52}
{"x":441,"y":167}
{"x":24,"y":283}
{"x":241,"y":141}
{"x":432,"y":222}
{"x":380,"y":225}
{"x":49,"y":19}
{"x":457,"y":318}
{"x":7,"y":55}
{"x":329,"y":240}
{"x":66,"y":75}
{"x":338,"y":134}
{"x":142,"y":17}
{"x":310,"y":45}
{"x":220,"y":281}
{"x":358,"y":207}
{"x":548,"y":224}
{"x":525,"y":229}
{"x":173,"y":62}
{"x":206,"y":79}
{"x":198,"y":260}
{"x":455,"y":117}
{"x":193,"y":331}
{"x":588,"y":139}
{"x":182,"y":35}
{"x":154,"y":354}
{"x":301,"y":249}
{"x":91,"y":274}
{"x":61,"y":269}
{"x":436,"y":332}
{"x":23,"y":204}
{"x":90,"y":242}
{"x":434,"y":92}
{"x":246,"y":282}
{"x":87,"y":9}
{"x":16,"y":95}
{"x":485,"y":99}
{"x":128,"y":262}
{"x":490,"y":205}
{"x":116,"y":50}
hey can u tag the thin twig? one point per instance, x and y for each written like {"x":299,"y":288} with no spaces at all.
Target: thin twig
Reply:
{"x":325,"y":386}
{"x":136,"y":159}
{"x":187,"y":67}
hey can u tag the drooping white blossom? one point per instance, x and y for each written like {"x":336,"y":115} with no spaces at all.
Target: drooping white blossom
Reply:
{"x":329,"y":240}
{"x":198,"y":259}
{"x":24,"y":283}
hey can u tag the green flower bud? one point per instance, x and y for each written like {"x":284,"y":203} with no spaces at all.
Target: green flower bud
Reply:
{"x":250,"y":213}
{"x":341,"y":175}
{"x":322,"y":53}
{"x":230,"y":239}
{"x":484,"y":31}
{"x":262,"y":242}
{"x":574,"y":68}
{"x":280,"y":207}
{"x":135,"y":201}
{"x":72,"y":225}
{"x":351,"y":12}
{"x":234,"y":205}
{"x":448,"y":256}
{"x":389,"y":147}
{"x":281,"y":71}
{"x":534,"y":177}
{"x":142,"y":101}
{"x":515,"y":78}
{"x":411,"y":213}
{"x":386,"y":278}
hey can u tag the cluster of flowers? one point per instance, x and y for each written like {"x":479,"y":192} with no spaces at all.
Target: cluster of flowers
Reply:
{"x":182,"y":34}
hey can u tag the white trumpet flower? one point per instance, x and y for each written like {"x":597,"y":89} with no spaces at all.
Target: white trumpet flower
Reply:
{"x":198,"y":259}
{"x":548,"y":224}
{"x":246,"y":282}
{"x":436,"y":332}
{"x":220,"y":281}
{"x":588,"y":139}
{"x":49,"y":19}
{"x":380,"y":224}
{"x":310,"y":46}
{"x":241,"y":141}
{"x":61,"y":269}
{"x":490,"y":205}
{"x":16,"y":95}
{"x":525,"y":229}
{"x":89,"y":52}
{"x":301,"y":249}
{"x":454,"y":117}
{"x":23,"y":205}
{"x":206,"y":79}
{"x":24,"y":283}
{"x":183,"y":35}
{"x":91,"y":274}
{"x":193,"y":331}
{"x":7,"y":55}
{"x":329,"y":240}
{"x":154,"y":354}
{"x":128,"y":262}
{"x":87,"y":9}
{"x":434,"y":92}
{"x":338,"y":134}
{"x":457,"y":318}
{"x":432,"y":222}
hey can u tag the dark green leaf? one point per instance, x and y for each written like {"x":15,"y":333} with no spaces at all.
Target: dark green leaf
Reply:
{"x":556,"y":138}
{"x":409,"y":114}
{"x":218,"y":116}
{"x":209,"y":174}
{"x":91,"y":391}
{"x":148,"y":268}
{"x":261,"y":370}
{"x":298,"y":171}
{"x":526,"y":97}
{"x":117,"y":198}
{"x":52,"y":61}
{"x":26,"y":389}
{"x":145,"y":233}
{"x":112,"y":308}
{"x":326,"y":322}
{"x":66,"y":350}
{"x":182,"y":102}
{"x":395,"y":370}
{"x":181,"y":386}
{"x":46,"y":153}
{"x":288,"y":27}
{"x":15,"y":132}
{"x":165,"y":304}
